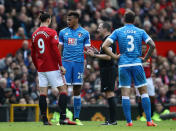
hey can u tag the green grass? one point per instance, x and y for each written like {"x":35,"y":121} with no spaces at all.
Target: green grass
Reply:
{"x":89,"y":126}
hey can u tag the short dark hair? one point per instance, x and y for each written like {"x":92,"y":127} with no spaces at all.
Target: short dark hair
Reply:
{"x":44,"y":16}
{"x":73,"y":13}
{"x":129,"y":16}
{"x":106,"y":26}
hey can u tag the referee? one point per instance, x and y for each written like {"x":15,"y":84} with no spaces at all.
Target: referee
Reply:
{"x":107,"y":72}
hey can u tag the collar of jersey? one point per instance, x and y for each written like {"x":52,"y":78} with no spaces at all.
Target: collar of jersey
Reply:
{"x":75,"y":29}
{"x":129,"y":25}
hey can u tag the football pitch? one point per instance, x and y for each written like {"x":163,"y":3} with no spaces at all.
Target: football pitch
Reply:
{"x":88,"y":126}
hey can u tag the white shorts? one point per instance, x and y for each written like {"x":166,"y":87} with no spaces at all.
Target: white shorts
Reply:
{"x":51,"y":78}
{"x":150,"y":88}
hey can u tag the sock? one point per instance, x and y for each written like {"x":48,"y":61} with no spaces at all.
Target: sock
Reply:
{"x":146,"y":106}
{"x":140,"y":110}
{"x":77,"y":106}
{"x":126,"y":108}
{"x":43,"y":106}
{"x":63,"y":105}
{"x":112,"y":109}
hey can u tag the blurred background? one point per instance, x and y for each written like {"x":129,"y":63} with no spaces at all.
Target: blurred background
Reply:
{"x":19,"y":19}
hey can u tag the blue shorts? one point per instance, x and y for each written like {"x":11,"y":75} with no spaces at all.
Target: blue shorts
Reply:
{"x":74,"y":72}
{"x":126,"y":74}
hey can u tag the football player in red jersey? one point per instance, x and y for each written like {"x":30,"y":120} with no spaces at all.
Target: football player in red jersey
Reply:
{"x":150,"y":86}
{"x":47,"y":60}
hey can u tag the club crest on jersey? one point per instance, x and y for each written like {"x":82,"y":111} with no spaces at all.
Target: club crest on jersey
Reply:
{"x":72,"y":41}
{"x":80,"y":34}
{"x":55,"y":37}
{"x":66,"y":33}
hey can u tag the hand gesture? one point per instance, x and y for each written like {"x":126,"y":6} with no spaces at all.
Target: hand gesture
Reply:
{"x":89,"y":52}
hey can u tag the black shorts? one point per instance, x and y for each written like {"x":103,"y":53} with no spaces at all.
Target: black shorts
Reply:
{"x":108,"y":77}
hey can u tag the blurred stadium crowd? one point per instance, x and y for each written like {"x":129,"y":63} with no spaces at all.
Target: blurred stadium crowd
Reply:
{"x":18,"y":80}
{"x":19,"y":18}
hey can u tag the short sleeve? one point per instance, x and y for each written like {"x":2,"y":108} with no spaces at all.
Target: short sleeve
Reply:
{"x":113,"y":37}
{"x":145,"y":37}
{"x":55,"y":37}
{"x":55,"y":49}
{"x":61,"y":39}
{"x":87,"y":39}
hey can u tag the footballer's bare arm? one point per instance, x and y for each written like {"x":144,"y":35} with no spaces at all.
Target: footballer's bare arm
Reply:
{"x":60,"y":48}
{"x":151,"y":49}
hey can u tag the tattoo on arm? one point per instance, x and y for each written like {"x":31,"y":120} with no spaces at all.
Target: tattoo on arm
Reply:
{"x":151,"y":49}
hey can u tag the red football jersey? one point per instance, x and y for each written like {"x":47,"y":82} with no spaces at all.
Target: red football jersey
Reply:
{"x":44,"y":50}
{"x":147,"y":67}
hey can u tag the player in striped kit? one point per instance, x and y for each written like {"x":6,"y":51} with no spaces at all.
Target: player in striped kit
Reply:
{"x":73,"y":40}
{"x":130,"y":61}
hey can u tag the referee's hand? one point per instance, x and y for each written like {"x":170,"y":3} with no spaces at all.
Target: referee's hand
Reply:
{"x":91,"y":53}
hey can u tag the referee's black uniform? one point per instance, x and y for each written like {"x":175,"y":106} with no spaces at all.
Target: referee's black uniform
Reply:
{"x":108,"y":70}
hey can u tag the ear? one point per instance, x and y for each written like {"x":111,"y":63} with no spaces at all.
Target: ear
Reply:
{"x":48,"y":21}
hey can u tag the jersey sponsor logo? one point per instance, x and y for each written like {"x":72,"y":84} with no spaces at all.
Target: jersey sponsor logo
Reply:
{"x":72,"y":41}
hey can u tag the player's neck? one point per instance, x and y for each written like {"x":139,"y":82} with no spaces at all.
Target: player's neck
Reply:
{"x":75,"y":27}
{"x":106,"y":34}
{"x":129,"y":23}
{"x":43,"y":25}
